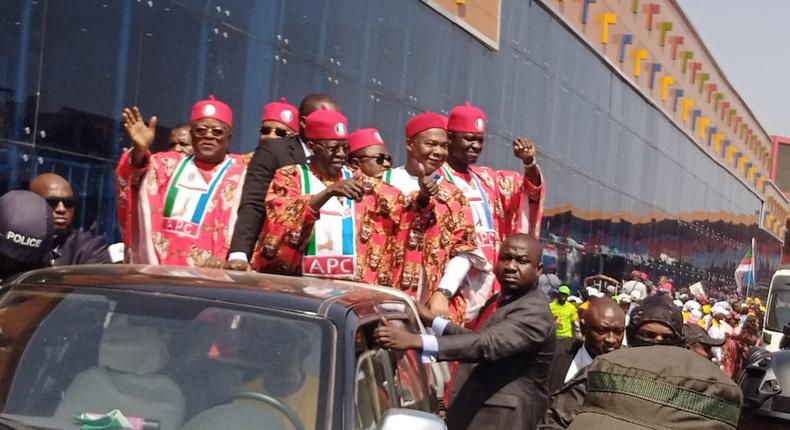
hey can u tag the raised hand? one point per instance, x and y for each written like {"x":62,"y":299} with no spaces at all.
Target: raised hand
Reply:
{"x":349,"y":188}
{"x":524,"y":149}
{"x":142,"y":135}
{"x":428,"y":185}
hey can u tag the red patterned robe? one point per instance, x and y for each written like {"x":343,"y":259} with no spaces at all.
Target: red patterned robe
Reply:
{"x":291,"y":242}
{"x":176,"y":211}
{"x":503,"y":203}
{"x":430,"y":237}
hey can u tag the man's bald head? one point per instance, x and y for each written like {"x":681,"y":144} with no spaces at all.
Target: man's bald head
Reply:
{"x":46,"y":182}
{"x":533,"y":245}
{"x":603,"y":326}
{"x":519,"y":264}
{"x":57,"y":191}
{"x":313,"y":102}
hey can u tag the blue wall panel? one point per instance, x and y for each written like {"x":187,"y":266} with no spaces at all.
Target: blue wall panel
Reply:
{"x":605,"y":151}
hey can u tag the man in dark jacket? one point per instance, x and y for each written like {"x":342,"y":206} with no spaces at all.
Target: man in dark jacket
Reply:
{"x":603,"y":327}
{"x":269,"y":156}
{"x":70,"y":246}
{"x":503,"y":377}
{"x":657,"y":321}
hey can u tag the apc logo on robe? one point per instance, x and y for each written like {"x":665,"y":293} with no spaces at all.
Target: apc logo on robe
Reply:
{"x":21,"y":239}
{"x":286,"y":116}
{"x":479,"y":124}
{"x":209,"y":110}
{"x":340,"y":129}
{"x":378,"y":137}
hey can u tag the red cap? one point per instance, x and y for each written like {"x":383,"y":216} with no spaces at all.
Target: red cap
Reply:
{"x":364,"y":137}
{"x":282,"y":112}
{"x":325,"y":124}
{"x":467,"y":119}
{"x":212,"y":108}
{"x":423,"y":122}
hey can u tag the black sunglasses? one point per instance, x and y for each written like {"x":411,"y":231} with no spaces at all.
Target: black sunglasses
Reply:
{"x":380,"y":159}
{"x":217,"y":132}
{"x":278,"y":131}
{"x":68,"y":202}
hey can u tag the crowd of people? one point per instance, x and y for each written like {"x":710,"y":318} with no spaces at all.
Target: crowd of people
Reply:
{"x":315,"y":199}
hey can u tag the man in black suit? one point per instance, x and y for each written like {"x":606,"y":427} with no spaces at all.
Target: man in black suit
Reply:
{"x":603,"y":327}
{"x":269,"y":156}
{"x":503,"y":379}
{"x":656,"y":321}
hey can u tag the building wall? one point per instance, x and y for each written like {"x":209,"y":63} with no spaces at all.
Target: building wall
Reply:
{"x":626,"y":185}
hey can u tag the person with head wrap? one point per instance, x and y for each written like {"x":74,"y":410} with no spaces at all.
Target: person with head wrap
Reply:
{"x":279,"y":119}
{"x":657,"y":387}
{"x":270,"y":155}
{"x":503,"y":202}
{"x":719,"y":327}
{"x":325,"y":220}
{"x":368,"y":153}
{"x":438,"y":247}
{"x":656,"y":321}
{"x":180,"y":209}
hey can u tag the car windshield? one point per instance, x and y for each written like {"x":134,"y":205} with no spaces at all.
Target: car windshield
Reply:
{"x":779,"y":311}
{"x":179,"y":363}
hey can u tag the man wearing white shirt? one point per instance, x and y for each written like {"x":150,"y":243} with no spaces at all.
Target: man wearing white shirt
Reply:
{"x":719,"y":328}
{"x":503,"y":377}
{"x":603,"y":327}
{"x":270,"y":155}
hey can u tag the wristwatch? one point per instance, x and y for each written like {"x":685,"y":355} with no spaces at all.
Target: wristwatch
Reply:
{"x":445,"y":292}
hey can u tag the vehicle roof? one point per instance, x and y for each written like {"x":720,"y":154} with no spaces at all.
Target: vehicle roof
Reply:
{"x":326,"y":297}
{"x":779,"y":280}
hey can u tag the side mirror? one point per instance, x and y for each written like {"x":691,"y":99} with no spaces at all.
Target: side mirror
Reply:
{"x":398,"y":419}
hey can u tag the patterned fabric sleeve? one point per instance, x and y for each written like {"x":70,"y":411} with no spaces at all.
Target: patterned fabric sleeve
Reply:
{"x":127,"y":183}
{"x":377,"y":241}
{"x":289,"y":224}
{"x":522,"y":202}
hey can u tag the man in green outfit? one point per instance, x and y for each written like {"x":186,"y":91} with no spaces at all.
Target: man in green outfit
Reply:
{"x":565,"y":314}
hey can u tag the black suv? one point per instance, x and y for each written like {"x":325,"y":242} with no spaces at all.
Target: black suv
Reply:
{"x":196,"y":349}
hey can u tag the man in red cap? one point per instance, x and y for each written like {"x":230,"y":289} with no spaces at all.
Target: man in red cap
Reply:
{"x":368,"y":153}
{"x":503,"y":202}
{"x":279,"y":119}
{"x":184,"y":208}
{"x":270,"y":155}
{"x":437,"y":241}
{"x":323,"y":219}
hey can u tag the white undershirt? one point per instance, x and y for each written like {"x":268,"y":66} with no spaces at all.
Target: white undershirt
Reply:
{"x":581,"y":360}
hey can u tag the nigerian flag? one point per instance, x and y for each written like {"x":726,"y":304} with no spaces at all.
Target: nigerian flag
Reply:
{"x":743,"y":274}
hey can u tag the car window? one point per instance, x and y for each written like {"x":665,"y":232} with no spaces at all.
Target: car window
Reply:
{"x":374,"y":390}
{"x":387,"y":379}
{"x":185,"y":363}
{"x":411,"y":381}
{"x":779,"y":310}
